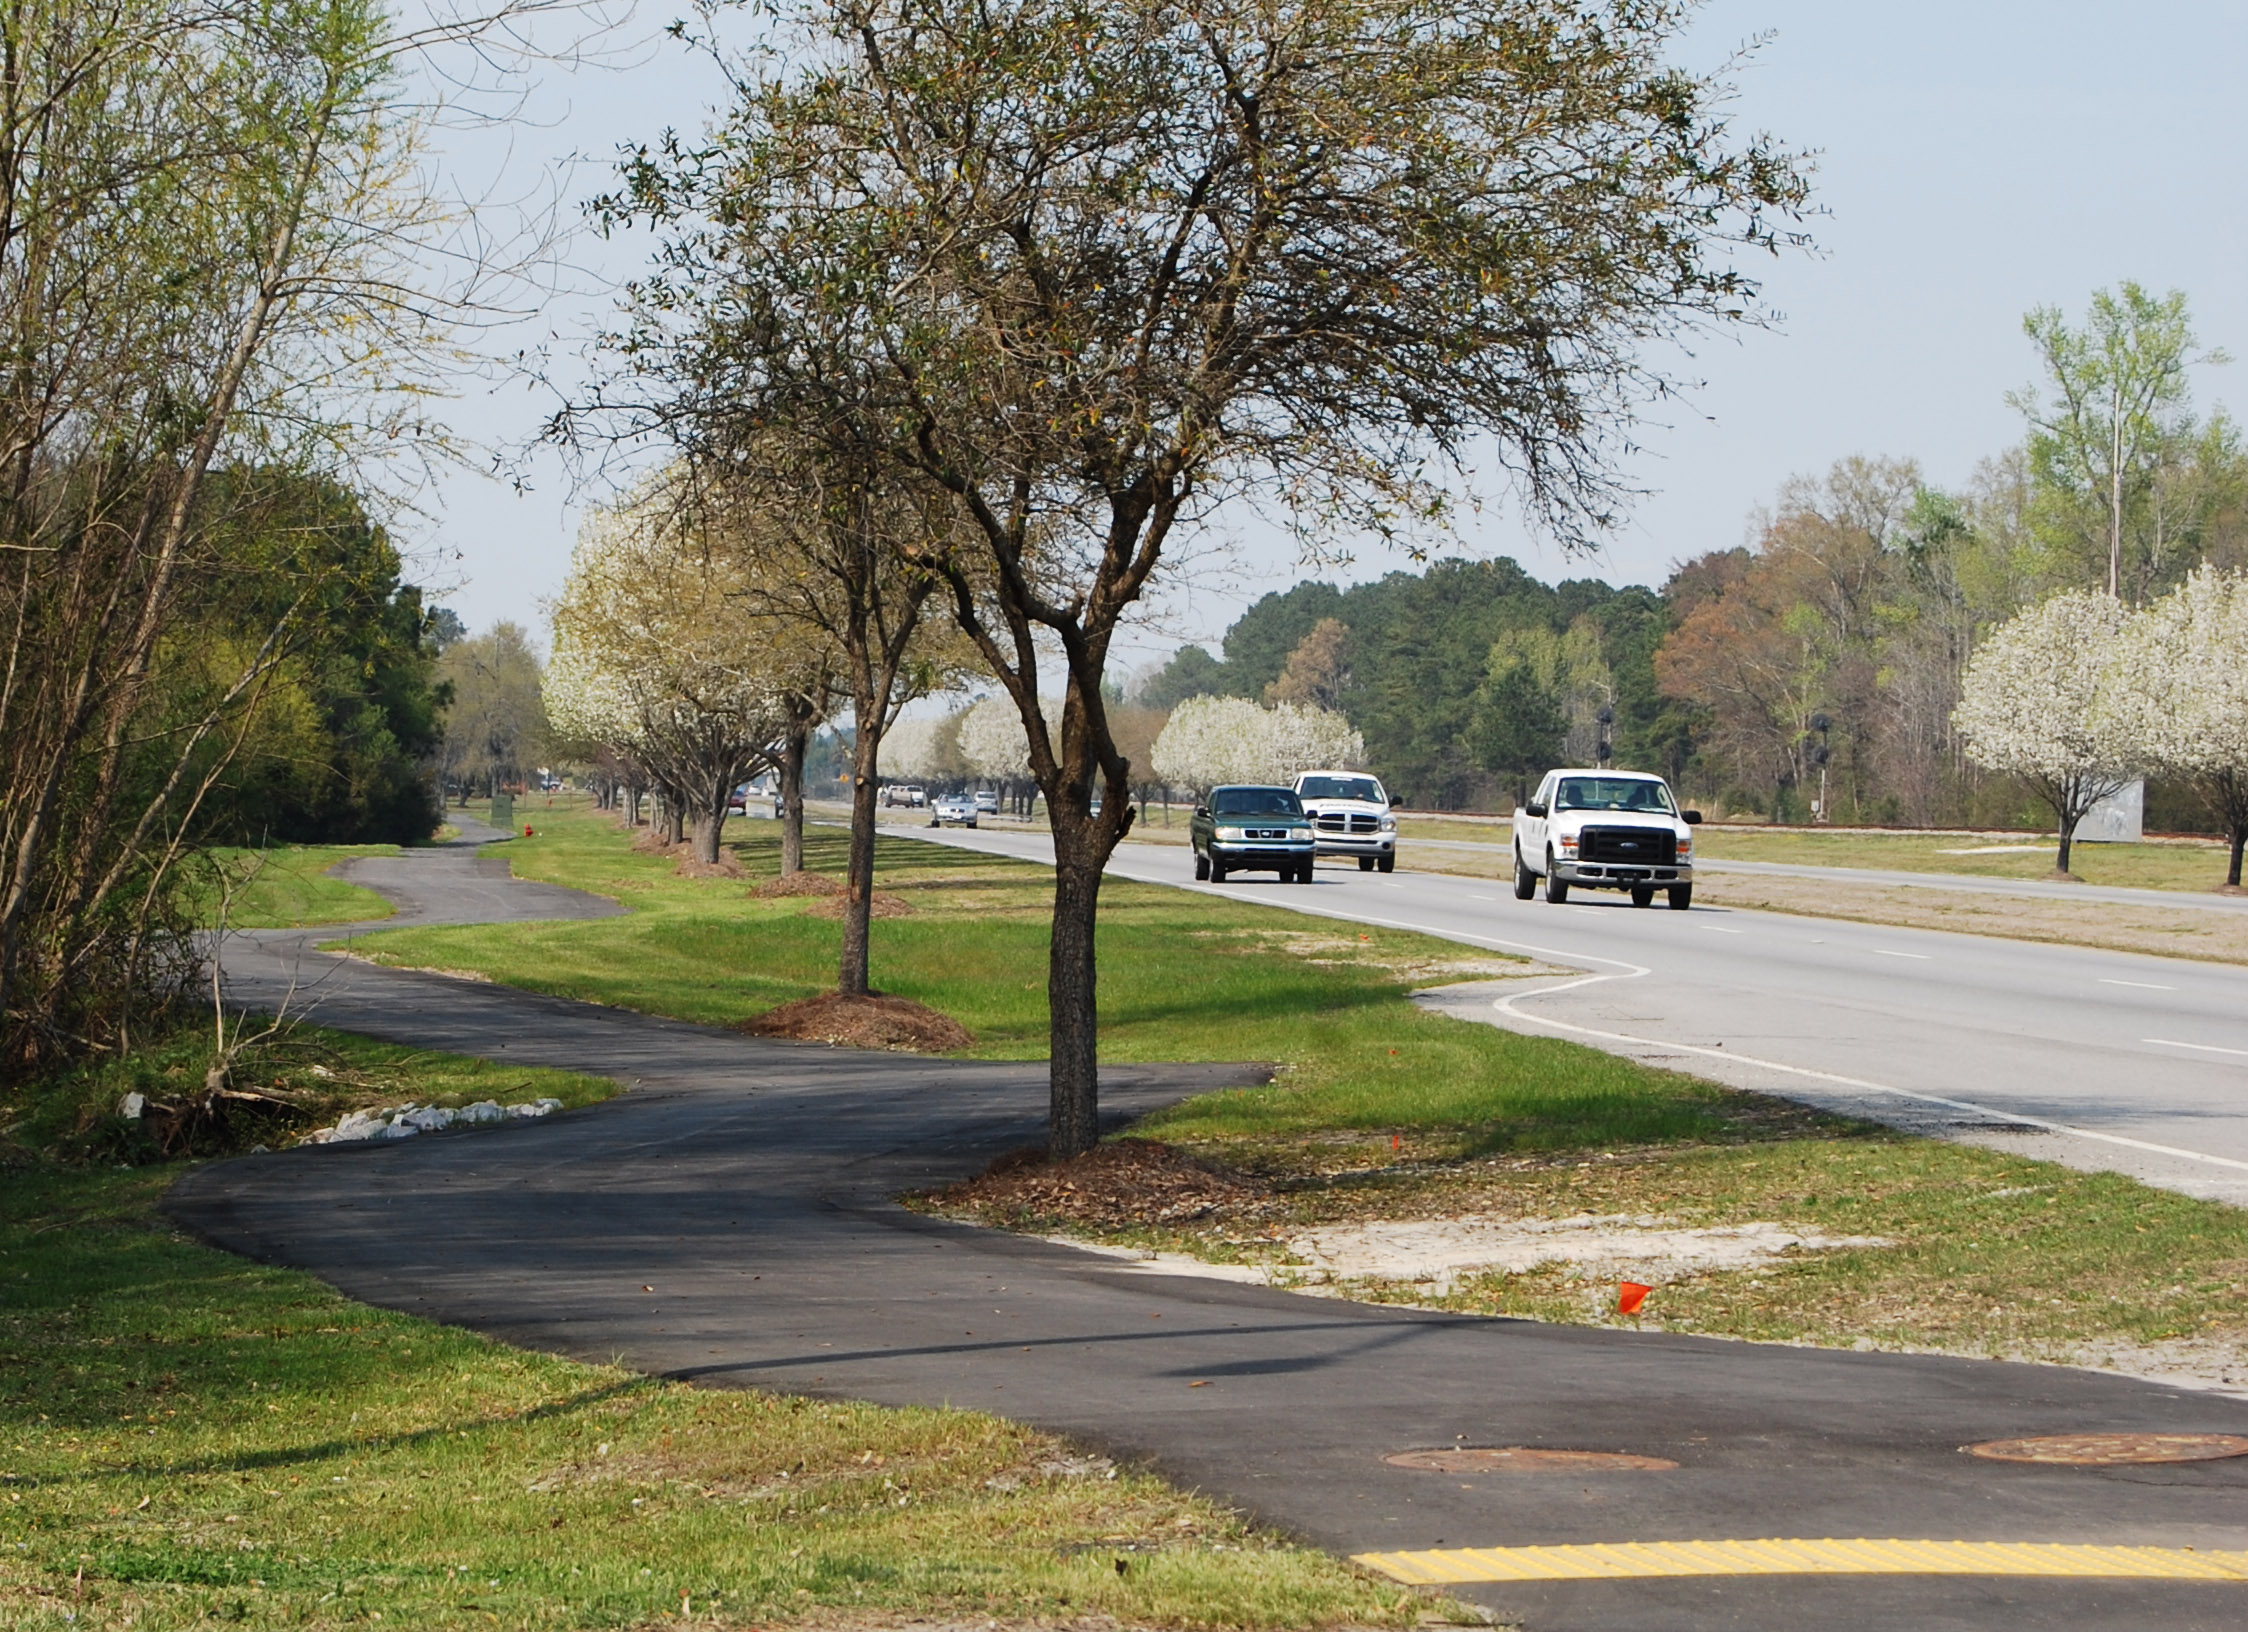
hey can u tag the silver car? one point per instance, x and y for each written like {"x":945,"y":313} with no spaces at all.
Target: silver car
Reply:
{"x":955,"y":808}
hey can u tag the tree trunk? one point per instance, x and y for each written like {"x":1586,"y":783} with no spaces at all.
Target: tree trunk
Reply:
{"x":794,"y":747}
{"x":2068,"y":838}
{"x":2232,"y":869}
{"x":673,"y":817}
{"x":1073,"y":998}
{"x":858,"y":897}
{"x":710,"y":825}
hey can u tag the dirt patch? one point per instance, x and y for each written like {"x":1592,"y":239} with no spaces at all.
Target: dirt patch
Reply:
{"x":881,"y":904}
{"x":797,"y":883}
{"x":1439,"y":1251}
{"x":1115,"y":1186}
{"x":873,"y":1021}
{"x":724,"y":867}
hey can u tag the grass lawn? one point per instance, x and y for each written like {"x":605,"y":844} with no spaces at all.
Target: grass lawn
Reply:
{"x":288,"y":886}
{"x":188,"y":1440}
{"x":2173,"y":865}
{"x":1383,"y":1111}
{"x":1182,"y":978}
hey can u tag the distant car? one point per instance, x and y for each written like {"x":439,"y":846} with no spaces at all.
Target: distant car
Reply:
{"x":909,"y":794}
{"x":1247,"y":829}
{"x":987,"y":801}
{"x":1605,"y":830}
{"x":737,"y":802}
{"x":1350,"y":816}
{"x":955,"y":808}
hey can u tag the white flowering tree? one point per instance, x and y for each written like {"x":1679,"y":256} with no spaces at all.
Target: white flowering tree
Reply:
{"x":2040,"y":701}
{"x":1209,"y":740}
{"x":2182,"y":693}
{"x":658,"y":662}
{"x":908,"y":750}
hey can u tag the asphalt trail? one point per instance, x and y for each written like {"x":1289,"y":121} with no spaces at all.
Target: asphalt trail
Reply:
{"x":748,"y":1184}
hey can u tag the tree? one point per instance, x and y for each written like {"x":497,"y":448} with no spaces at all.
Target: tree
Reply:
{"x":1209,"y":740}
{"x":1318,"y":671}
{"x":2039,"y":703}
{"x":496,"y":728}
{"x":1191,"y":672}
{"x":2116,"y":420}
{"x":1112,"y":261}
{"x":1519,"y":729}
{"x":2181,"y":689}
{"x":216,"y":247}
{"x":660,"y":658}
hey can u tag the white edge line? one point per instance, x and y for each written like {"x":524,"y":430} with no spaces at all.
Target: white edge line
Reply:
{"x":2142,"y":985}
{"x":2203,"y":1048}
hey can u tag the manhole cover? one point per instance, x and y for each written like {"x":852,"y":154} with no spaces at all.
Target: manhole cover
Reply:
{"x":1524,"y":1459}
{"x":2112,"y":1450}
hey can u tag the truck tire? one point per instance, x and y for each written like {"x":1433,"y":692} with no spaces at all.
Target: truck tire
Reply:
{"x":1365,"y":864}
{"x":1643,"y":895}
{"x":1525,"y":881}
{"x":1201,"y":869}
{"x":1556,"y":888}
{"x":1681,"y":897}
{"x":1217,"y":873}
{"x":1387,"y":864}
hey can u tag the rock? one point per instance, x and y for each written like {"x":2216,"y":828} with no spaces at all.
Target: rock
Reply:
{"x":484,"y":1110}
{"x":131,"y":1106}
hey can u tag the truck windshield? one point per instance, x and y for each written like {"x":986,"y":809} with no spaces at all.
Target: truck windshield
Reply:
{"x":1255,"y":802}
{"x":1612,"y":793}
{"x":1342,"y":787}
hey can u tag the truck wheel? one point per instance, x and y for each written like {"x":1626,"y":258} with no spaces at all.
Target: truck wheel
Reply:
{"x":1303,"y":872}
{"x":1217,"y":873}
{"x":1681,"y":897}
{"x":1643,"y":895}
{"x":1365,"y":864}
{"x":1387,"y":864}
{"x":1201,"y":869}
{"x":1525,"y":881}
{"x":1557,"y":888}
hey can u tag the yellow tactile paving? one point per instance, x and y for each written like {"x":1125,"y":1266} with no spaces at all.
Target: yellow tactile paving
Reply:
{"x":1626,"y":1560}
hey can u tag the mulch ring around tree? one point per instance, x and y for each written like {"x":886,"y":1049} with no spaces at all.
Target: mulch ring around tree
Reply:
{"x":1113,"y":1186}
{"x":797,"y":883}
{"x":873,"y":1021}
{"x":881,"y":904}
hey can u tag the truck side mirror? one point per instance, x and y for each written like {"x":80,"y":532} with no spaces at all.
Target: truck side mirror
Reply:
{"x":1693,"y":818}
{"x":1534,"y":807}
{"x":1201,"y":810}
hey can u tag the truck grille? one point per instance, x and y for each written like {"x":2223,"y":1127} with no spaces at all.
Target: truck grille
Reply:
{"x":1631,"y":846}
{"x":1340,"y":822}
{"x":1264,"y":833}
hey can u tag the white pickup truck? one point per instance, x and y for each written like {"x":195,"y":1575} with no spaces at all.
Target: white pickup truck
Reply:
{"x":1350,"y":816}
{"x":1605,"y":830}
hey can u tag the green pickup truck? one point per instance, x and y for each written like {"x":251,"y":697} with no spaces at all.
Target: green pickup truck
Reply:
{"x":1252,"y":829}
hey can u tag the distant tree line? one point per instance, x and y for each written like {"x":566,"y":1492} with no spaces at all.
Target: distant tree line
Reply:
{"x":1837,"y":640}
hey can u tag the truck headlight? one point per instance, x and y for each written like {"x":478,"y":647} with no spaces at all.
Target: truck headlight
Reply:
{"x":1685,"y":849}
{"x":1389,"y":824}
{"x":1568,"y":844}
{"x":1233,"y":833}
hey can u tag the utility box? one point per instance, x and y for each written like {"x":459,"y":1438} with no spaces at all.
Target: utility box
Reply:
{"x":503,"y":812}
{"x":2120,"y":818}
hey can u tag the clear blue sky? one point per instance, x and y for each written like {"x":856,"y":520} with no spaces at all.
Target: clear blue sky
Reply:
{"x":1975,"y":159}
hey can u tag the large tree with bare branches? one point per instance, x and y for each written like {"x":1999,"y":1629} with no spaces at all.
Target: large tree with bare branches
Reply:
{"x":1108,"y":263}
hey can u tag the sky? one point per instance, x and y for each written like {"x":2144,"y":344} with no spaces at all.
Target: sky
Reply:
{"x":1973,"y":161}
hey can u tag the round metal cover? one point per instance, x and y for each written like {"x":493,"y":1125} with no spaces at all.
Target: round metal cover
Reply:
{"x":1524,"y":1459}
{"x":2112,"y":1450}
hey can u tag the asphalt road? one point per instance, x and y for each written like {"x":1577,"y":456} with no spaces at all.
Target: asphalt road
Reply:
{"x":2099,"y":1059}
{"x":729,"y":1222}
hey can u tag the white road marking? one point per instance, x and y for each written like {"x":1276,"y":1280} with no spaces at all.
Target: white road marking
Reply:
{"x":1884,"y":952}
{"x":1472,"y":896}
{"x":2142,"y":985}
{"x":1720,"y":929}
{"x":2205,"y":1048}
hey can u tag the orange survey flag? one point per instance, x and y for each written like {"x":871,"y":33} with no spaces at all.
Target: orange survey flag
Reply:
{"x":1632,"y":1297}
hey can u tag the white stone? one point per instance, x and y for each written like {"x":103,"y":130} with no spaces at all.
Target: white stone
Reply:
{"x":131,"y":1106}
